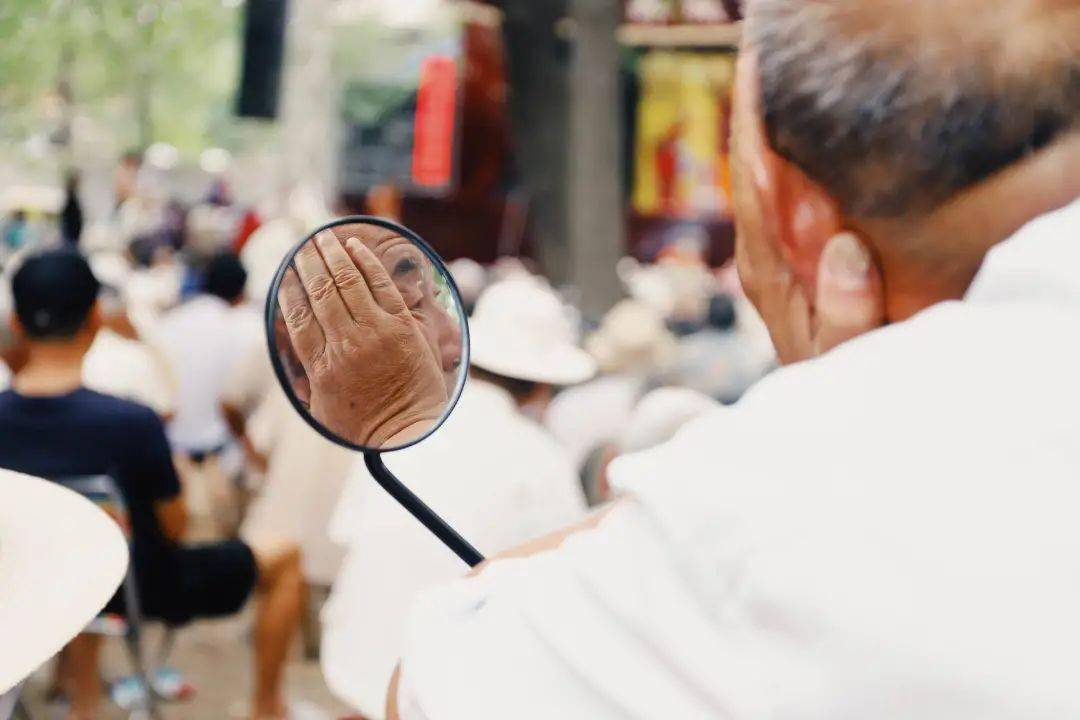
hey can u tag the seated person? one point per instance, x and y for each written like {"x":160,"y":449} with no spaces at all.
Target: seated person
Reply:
{"x":51,"y":426}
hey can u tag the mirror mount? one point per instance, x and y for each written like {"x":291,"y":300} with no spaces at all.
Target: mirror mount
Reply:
{"x":416,"y":507}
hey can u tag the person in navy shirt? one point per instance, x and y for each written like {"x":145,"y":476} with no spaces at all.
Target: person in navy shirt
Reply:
{"x":53,"y":427}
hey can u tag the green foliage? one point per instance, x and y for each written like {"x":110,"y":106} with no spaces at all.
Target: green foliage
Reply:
{"x":146,"y":70}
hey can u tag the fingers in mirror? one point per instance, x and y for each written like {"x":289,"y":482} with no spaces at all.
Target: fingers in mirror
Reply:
{"x":369,"y":335}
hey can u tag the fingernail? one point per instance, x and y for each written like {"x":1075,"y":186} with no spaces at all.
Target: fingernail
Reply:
{"x":846,"y":262}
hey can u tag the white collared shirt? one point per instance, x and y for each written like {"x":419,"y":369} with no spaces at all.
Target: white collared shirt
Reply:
{"x":491,"y":472}
{"x":887,"y":531}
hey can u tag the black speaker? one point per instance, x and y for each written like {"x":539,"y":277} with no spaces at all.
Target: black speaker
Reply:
{"x":264,"y":47}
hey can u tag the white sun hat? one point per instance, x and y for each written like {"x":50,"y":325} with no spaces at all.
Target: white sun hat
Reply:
{"x":61,"y":559}
{"x":521,"y":329}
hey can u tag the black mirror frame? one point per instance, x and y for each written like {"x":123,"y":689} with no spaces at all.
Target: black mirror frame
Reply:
{"x":279,"y":369}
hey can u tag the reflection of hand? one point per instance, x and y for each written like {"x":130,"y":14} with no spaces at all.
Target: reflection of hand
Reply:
{"x":374,"y":379}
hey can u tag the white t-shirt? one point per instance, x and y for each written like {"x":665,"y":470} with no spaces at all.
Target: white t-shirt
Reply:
{"x":886,"y":532}
{"x":495,"y":475}
{"x":204,"y":339}
{"x":586,"y":416}
{"x":304,"y":475}
{"x":129,"y":369}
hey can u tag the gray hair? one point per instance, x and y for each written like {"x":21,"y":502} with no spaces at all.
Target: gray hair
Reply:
{"x":896,"y":105}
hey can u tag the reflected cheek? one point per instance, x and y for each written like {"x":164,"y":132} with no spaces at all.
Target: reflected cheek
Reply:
{"x":449,"y":342}
{"x":452,"y":349}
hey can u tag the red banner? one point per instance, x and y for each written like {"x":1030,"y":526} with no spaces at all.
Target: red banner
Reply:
{"x":433,"y":135}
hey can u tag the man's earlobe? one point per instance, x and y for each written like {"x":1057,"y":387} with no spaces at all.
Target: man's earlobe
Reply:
{"x":94,"y":319}
{"x":849,"y":297}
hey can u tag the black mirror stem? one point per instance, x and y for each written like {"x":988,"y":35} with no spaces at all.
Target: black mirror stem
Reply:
{"x":420,"y":511}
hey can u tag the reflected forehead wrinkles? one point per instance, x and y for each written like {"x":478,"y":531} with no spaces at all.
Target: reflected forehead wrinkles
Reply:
{"x":390,"y":242}
{"x":377,"y":238}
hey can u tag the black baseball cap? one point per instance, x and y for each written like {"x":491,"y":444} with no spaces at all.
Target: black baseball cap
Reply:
{"x":54,"y":291}
{"x":225,"y":277}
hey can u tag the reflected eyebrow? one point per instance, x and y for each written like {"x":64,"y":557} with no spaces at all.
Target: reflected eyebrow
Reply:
{"x":381,"y":242}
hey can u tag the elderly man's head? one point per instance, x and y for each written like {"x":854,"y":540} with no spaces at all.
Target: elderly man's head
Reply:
{"x":929,"y":129}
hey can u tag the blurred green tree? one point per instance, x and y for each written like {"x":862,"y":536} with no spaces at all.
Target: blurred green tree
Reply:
{"x":144,"y":70}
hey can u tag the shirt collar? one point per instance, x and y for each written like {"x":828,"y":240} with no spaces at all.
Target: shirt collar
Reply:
{"x":1039,"y":262}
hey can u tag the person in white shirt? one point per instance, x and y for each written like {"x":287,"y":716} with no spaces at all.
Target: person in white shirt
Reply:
{"x":886,"y":529}
{"x":631,"y":347}
{"x":204,"y":339}
{"x":492,"y":471}
{"x":301,"y":472}
{"x":130,"y":369}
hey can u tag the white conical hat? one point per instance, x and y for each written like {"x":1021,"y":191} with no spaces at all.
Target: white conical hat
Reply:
{"x":521,"y":329}
{"x":61,"y":559}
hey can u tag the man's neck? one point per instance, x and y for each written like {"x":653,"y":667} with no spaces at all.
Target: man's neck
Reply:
{"x":52,"y":369}
{"x":935,"y":258}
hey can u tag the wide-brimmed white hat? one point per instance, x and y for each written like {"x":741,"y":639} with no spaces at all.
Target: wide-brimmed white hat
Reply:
{"x":521,"y":329}
{"x":61,"y":559}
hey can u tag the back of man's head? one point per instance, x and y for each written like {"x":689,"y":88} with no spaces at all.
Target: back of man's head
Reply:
{"x":54,"y":292}
{"x":894,"y":106}
{"x":225,"y":277}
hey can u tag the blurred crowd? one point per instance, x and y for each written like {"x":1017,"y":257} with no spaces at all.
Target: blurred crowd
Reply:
{"x":553,"y":398}
{"x":884,"y":528}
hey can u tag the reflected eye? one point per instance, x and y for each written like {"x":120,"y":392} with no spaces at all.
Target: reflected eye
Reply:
{"x":405,"y":266}
{"x":409,"y":281}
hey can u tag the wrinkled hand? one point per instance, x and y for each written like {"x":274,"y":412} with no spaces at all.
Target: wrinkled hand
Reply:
{"x":373,"y":378}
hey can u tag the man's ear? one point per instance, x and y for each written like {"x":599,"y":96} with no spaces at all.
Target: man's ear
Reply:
{"x":17,"y":329}
{"x":807,"y":218}
{"x":94,"y":320}
{"x":797,"y":216}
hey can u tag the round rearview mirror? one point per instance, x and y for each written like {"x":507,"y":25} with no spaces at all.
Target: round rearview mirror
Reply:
{"x":368,"y":337}
{"x":367,"y":334}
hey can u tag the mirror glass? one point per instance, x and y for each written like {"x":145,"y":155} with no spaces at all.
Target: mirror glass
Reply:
{"x":367,"y":334}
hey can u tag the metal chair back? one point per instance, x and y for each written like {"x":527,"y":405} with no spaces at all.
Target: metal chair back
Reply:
{"x":103,"y":491}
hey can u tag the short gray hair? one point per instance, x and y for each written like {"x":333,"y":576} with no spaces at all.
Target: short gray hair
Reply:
{"x":894,"y":115}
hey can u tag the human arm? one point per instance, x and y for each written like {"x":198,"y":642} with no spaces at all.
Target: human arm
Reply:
{"x":547,"y":542}
{"x":152,"y":468}
{"x":237,"y":423}
{"x":572,"y":630}
{"x":172,"y":518}
{"x":550,"y":541}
